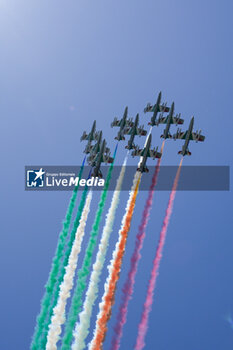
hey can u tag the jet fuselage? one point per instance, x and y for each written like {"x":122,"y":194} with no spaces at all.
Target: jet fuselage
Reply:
{"x":90,"y":138}
{"x":97,"y":164}
{"x":142,"y":166}
{"x":155,"y":110}
{"x":120,"y":134}
{"x":132,"y":136}
{"x":187,"y":138}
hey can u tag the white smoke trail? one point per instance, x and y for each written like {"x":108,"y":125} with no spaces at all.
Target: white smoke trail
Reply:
{"x":82,"y":327}
{"x":58,"y":317}
{"x":91,"y":345}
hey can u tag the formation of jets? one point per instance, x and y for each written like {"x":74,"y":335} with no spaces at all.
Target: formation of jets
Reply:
{"x":100,"y":153}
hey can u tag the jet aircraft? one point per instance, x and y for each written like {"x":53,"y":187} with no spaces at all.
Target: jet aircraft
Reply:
{"x":133,"y":131}
{"x":188,"y":135}
{"x":96,"y":148}
{"x":158,"y":107}
{"x":123,"y":124}
{"x":144,"y":154}
{"x":170,"y":119}
{"x":92,"y":136}
{"x":100,"y":157}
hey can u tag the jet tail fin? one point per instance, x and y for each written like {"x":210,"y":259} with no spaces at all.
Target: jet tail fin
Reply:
{"x":187,"y":153}
{"x":98,"y":174}
{"x":169,"y":136}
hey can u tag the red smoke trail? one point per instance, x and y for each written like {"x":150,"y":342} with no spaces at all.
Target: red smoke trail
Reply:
{"x":129,"y":284}
{"x":143,"y":325}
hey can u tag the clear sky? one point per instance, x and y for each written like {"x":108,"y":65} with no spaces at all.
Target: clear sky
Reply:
{"x":64,"y":64}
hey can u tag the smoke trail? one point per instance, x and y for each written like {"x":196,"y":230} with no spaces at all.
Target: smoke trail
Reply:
{"x":81,"y":329}
{"x":66,"y":286}
{"x":53,"y":275}
{"x":43,"y":339}
{"x":114,"y":270}
{"x":128,"y":287}
{"x":143,"y":325}
{"x":85,"y":269}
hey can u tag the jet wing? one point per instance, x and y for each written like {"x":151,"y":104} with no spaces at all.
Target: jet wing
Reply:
{"x":141,"y":131}
{"x":131,"y":131}
{"x":174,"y":120}
{"x":164,"y":108}
{"x":194,"y":136}
{"x":197,"y":137}
{"x":128,"y":131}
{"x":90,"y":136}
{"x":137,"y":152}
{"x":116,"y":122}
{"x":129,"y":122}
{"x":162,"y":120}
{"x":177,"y":120}
{"x":84,"y":136}
{"x":148,"y":108}
{"x":181,"y":135}
{"x":107,"y":159}
{"x":153,"y":153}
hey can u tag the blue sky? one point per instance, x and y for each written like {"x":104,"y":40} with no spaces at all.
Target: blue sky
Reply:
{"x":64,"y":64}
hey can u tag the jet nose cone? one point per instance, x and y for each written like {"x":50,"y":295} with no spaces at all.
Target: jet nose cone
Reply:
{"x":192,"y":122}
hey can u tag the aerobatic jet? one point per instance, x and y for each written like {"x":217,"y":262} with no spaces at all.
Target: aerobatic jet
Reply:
{"x":92,"y":136}
{"x":122,"y":123}
{"x":157,"y":107}
{"x":188,"y":135}
{"x":145,"y":153}
{"x":133,"y":131}
{"x":101,"y":157}
{"x":96,"y":148}
{"x":170,"y":119}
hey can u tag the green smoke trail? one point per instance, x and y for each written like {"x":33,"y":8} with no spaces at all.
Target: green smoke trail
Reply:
{"x":43,"y":338}
{"x":83,"y":273}
{"x":53,"y":275}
